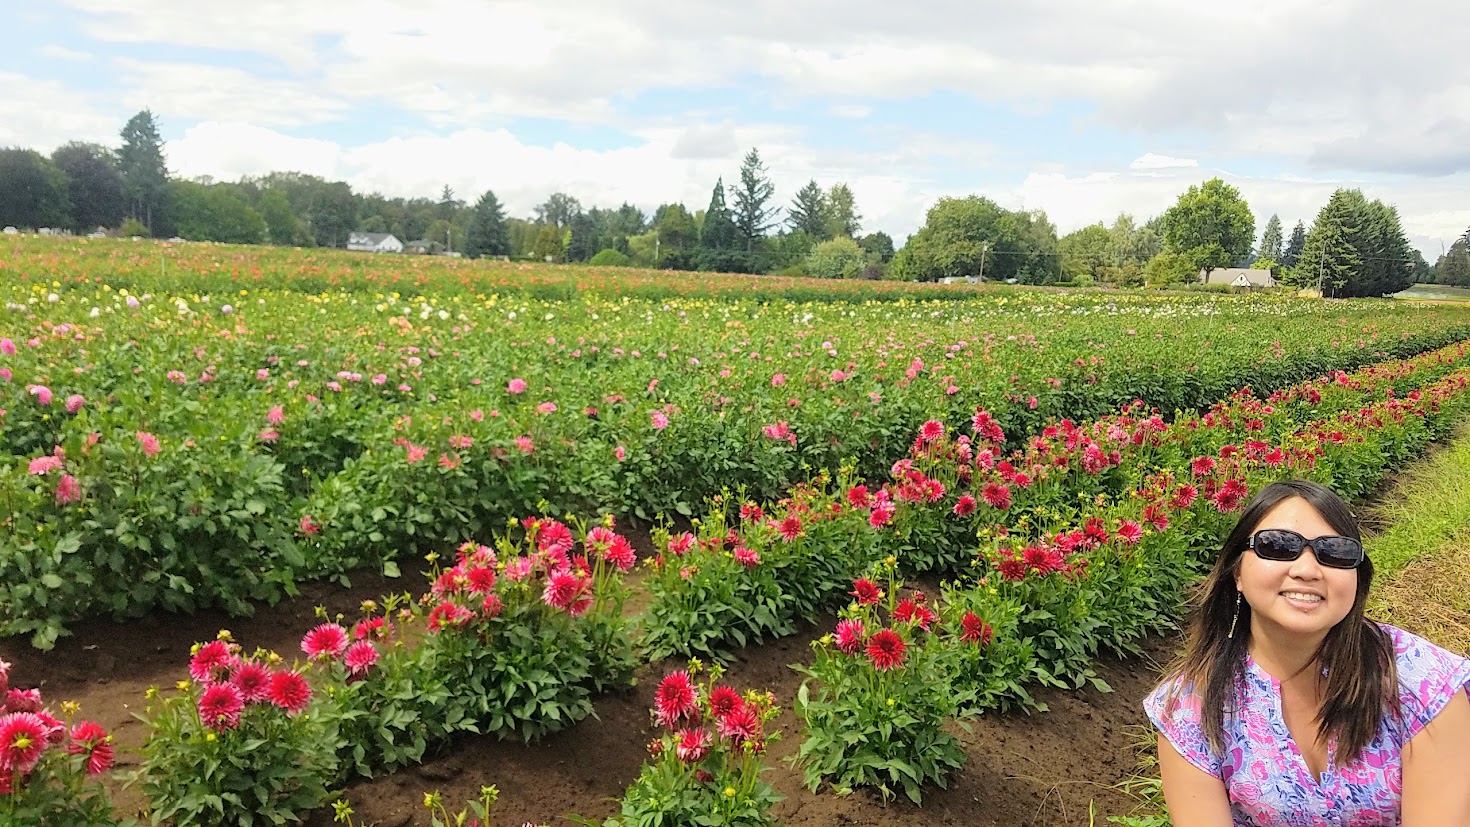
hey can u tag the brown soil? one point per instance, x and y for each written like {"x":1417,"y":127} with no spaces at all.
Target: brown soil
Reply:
{"x":1046,"y":769}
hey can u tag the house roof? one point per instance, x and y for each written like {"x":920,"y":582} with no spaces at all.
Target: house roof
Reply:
{"x":368,"y":238}
{"x":1239,"y":276}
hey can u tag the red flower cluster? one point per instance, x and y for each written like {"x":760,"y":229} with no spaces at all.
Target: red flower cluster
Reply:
{"x":682,"y":706}
{"x":233,"y":683}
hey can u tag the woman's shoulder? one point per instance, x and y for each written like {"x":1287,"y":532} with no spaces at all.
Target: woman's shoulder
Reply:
{"x":1429,"y":676}
{"x":1418,"y":660}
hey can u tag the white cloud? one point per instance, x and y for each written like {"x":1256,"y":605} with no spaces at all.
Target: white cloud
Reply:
{"x":227,"y":151}
{"x":195,"y":92}
{"x":850,"y":110}
{"x":62,"y":53}
{"x":30,"y":115}
{"x":1152,"y":161}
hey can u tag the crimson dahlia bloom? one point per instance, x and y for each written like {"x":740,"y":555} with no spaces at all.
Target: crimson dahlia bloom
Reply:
{"x":723,"y":700}
{"x":675,"y":698}
{"x":567,"y":592}
{"x":212,"y":658}
{"x":90,"y":739}
{"x":866,"y":592}
{"x":747,"y":557}
{"x":289,"y":691}
{"x":328,"y":639}
{"x":996,"y":496}
{"x":964,"y":506}
{"x":68,"y":490}
{"x":975,"y":630}
{"x":886,"y":650}
{"x":693,"y":746}
{"x":739,"y":725}
{"x":1130,"y":532}
{"x":252,"y":680}
{"x":23,"y":737}
{"x":220,"y":707}
{"x":850,"y":636}
{"x":790,"y":528}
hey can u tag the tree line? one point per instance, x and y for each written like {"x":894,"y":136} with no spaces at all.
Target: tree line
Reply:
{"x":1354,"y":247}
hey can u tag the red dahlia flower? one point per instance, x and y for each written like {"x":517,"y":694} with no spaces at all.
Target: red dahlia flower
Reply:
{"x":23,"y":737}
{"x":252,"y":680}
{"x":975,"y":630}
{"x":211,"y":659}
{"x":964,"y":506}
{"x":866,"y":592}
{"x":1130,"y":532}
{"x":328,"y":639}
{"x":289,"y":691}
{"x":620,"y":553}
{"x":886,"y":650}
{"x":90,"y":739}
{"x":746,"y":557}
{"x":723,"y":700}
{"x":675,"y":698}
{"x":739,"y":725}
{"x":693,"y":746}
{"x":220,"y":707}
{"x":850,"y":636}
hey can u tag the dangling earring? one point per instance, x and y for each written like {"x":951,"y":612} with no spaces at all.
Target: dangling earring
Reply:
{"x":1234,"y":618}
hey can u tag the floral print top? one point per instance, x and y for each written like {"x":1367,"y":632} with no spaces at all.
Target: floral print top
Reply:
{"x":1265,"y":775}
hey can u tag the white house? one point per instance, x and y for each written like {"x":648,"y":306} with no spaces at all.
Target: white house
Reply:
{"x":10,"y":231}
{"x":374,"y":243}
{"x":1238,"y":277}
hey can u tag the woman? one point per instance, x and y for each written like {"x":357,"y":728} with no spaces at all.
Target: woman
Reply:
{"x":1289,"y":707}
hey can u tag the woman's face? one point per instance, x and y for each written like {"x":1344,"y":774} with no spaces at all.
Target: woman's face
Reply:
{"x":1299,"y":599}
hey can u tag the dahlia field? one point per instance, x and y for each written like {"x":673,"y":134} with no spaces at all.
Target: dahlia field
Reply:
{"x":202,"y":426}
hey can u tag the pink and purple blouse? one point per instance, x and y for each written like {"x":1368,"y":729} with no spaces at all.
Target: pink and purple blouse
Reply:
{"x":1264,"y":772}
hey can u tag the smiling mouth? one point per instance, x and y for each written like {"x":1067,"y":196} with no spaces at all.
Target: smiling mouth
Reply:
{"x":1303,"y":597}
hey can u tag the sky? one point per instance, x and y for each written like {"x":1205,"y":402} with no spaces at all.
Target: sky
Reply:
{"x":1081,"y":108}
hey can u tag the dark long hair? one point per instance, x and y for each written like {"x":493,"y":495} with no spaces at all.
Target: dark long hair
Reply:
{"x":1362,"y":684}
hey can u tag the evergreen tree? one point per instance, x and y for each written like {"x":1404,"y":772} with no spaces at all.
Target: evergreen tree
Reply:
{"x":144,"y":172}
{"x":281,"y":224}
{"x":1329,"y":258}
{"x":808,"y":212}
{"x":487,"y":234}
{"x":753,"y":214}
{"x":719,"y":238}
{"x":1271,"y":240}
{"x":1294,"y":247}
{"x":582,"y":236}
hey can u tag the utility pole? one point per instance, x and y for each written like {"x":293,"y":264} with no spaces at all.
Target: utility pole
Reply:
{"x":984,"y":247}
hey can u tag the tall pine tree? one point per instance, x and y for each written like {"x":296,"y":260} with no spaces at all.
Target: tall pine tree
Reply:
{"x":487,"y":234}
{"x":1271,"y":240}
{"x":753,"y":213}
{"x":1294,"y":246}
{"x":720,"y":242}
{"x":1329,"y":259}
{"x":842,"y":214}
{"x":144,"y":172}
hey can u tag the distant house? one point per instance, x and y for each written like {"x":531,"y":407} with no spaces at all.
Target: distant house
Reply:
{"x":374,"y":243}
{"x":961,"y":280}
{"x":423,"y":247}
{"x":1238,"y":277}
{"x":10,"y":231}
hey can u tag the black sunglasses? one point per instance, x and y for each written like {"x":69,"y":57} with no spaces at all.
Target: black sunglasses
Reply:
{"x":1283,"y":545}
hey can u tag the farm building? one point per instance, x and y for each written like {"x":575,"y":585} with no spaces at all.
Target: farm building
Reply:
{"x":1238,"y":277}
{"x":374,"y":243}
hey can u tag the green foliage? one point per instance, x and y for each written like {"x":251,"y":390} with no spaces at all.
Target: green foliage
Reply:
{"x":549,"y":245}
{"x":808,"y":212}
{"x":1294,"y":247}
{"x":487,"y":233}
{"x":610,"y":258}
{"x":144,"y":173}
{"x":1211,"y":224}
{"x":94,"y":187}
{"x":959,"y":234}
{"x":182,"y":530}
{"x":875,"y":723}
{"x":879,"y":245}
{"x":752,"y":212}
{"x":33,"y":191}
{"x":281,"y":224}
{"x":1168,"y":269}
{"x":213,"y":213}
{"x":518,"y":665}
{"x":698,"y":777}
{"x":1087,"y":252}
{"x":272,"y":768}
{"x":840,"y":258}
{"x":1272,"y":244}
{"x":840,"y":213}
{"x":132,"y":228}
{"x":1356,"y":248}
{"x":1453,"y":268}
